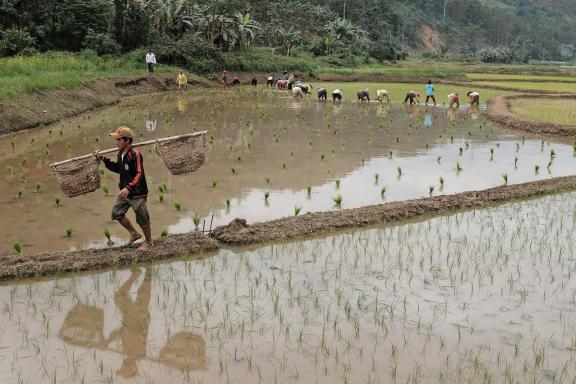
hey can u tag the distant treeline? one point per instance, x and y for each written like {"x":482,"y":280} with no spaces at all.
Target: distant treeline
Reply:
{"x":205,"y":34}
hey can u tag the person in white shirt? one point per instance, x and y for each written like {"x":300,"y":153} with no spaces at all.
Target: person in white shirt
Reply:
{"x":150,"y":61}
{"x":474,"y":98}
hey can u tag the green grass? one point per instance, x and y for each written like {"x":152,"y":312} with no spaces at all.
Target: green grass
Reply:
{"x":555,"y":111}
{"x":398,"y":90}
{"x":406,"y":69}
{"x":504,"y":77}
{"x":44,"y":72}
{"x":560,"y":87}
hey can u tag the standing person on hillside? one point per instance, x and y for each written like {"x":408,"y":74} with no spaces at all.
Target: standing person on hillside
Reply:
{"x":182,"y":81}
{"x":224,"y":79}
{"x":150,"y":61}
{"x":474,"y":98}
{"x":430,"y":92}
{"x":133,"y":188}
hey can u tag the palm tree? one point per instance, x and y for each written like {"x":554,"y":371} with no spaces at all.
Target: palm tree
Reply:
{"x":288,"y":38}
{"x":169,"y":16}
{"x":246,"y":30}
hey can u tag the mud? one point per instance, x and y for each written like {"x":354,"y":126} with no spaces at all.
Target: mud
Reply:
{"x":498,"y":111}
{"x":42,"y":108}
{"x":238,"y":232}
{"x":45,"y":264}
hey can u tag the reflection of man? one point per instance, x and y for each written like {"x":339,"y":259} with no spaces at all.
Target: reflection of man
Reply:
{"x":427,"y":118}
{"x":135,"y":318}
{"x":452,"y":114}
{"x":150,"y":123}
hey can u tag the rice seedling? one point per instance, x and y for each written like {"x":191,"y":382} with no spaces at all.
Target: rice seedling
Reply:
{"x":233,"y":171}
{"x":441,"y":179}
{"x":458,"y":168}
{"x":337,"y":184}
{"x":266,"y":195}
{"x":163,"y":188}
{"x":297,"y":210}
{"x":430,"y":190}
{"x":38,"y":187}
{"x":439,"y":159}
{"x":376,"y":178}
{"x":389,"y":155}
{"x":460,"y":151}
{"x":227,"y":203}
{"x":515,"y":162}
{"x":108,"y":237}
{"x":536,"y":169}
{"x":214,"y":183}
{"x":164,"y":232}
{"x":69,"y":231}
{"x":161,"y":197}
{"x":399,"y":170}
{"x":505,"y":178}
{"x":196,"y":220}
{"x":105,"y":190}
{"x":19,"y":194}
{"x":177,"y":206}
{"x":491,"y":154}
{"x":10,"y":170}
{"x":309,"y":190}
{"x":284,"y":165}
{"x":17,"y":246}
{"x":337,"y":200}
{"x":322,"y":157}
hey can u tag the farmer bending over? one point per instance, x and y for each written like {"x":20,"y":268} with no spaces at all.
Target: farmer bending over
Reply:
{"x":336,"y":95}
{"x":474,"y":98}
{"x":322,"y":93}
{"x":413,"y":96}
{"x":133,"y":188}
{"x":454,"y":99}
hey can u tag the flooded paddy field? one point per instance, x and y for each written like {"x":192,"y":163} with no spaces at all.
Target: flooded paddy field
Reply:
{"x":268,"y":156}
{"x":484,"y":296}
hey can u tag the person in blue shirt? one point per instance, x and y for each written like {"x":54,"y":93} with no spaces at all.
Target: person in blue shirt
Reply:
{"x":430,"y":92}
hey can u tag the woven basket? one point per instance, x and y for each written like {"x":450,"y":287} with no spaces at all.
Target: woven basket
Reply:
{"x":78,"y":177}
{"x":184,"y":154}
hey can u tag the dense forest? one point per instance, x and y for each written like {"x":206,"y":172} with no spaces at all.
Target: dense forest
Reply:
{"x":199,"y":33}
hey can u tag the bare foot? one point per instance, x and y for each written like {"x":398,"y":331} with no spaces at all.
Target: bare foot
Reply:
{"x":145,"y":246}
{"x":134,"y":237}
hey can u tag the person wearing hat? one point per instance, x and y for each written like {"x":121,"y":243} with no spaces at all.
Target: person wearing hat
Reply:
{"x":133,"y":189}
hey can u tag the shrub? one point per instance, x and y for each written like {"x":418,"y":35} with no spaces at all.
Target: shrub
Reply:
{"x":267,"y":60}
{"x":101,"y":43}
{"x":198,"y":55}
{"x":15,"y":41}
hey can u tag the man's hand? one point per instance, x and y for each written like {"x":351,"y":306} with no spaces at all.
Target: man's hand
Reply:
{"x":98,"y":155}
{"x":123,"y":193}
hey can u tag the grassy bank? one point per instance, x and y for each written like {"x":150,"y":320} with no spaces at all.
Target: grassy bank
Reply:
{"x":556,"y":111}
{"x":45,"y":72}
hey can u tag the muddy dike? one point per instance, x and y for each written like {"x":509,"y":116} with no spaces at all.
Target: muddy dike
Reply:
{"x":238,"y":232}
{"x":498,"y":112}
{"x":43,"y":108}
{"x":56,"y":263}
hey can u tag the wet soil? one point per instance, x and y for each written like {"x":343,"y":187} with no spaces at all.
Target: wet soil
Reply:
{"x":32,"y":110}
{"x":238,"y":232}
{"x":55,"y":263}
{"x":499,"y":112}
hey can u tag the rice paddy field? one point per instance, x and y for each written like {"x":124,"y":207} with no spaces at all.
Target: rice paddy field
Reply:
{"x":477,"y":296}
{"x":556,"y":111}
{"x":269,"y":156}
{"x":516,"y":77}
{"x":538,"y":86}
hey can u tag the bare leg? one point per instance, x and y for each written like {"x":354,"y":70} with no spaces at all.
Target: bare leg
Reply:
{"x":148,"y":243}
{"x":134,"y":235}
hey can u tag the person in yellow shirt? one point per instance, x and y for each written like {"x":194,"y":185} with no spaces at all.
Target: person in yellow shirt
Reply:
{"x":182,"y":81}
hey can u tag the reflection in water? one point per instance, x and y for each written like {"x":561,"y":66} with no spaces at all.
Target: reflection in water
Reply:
{"x":84,"y":325}
{"x":427,"y":118}
{"x":452,"y":114}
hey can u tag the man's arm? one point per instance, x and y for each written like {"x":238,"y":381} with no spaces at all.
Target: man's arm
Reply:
{"x":111,"y":165}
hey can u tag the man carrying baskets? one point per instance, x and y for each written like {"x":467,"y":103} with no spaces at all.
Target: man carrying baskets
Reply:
{"x":133,"y":188}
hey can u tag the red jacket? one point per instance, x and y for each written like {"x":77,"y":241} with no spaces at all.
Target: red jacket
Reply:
{"x":131,"y":170}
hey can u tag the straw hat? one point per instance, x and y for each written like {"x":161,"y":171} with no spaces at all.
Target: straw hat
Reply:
{"x":122,"y":132}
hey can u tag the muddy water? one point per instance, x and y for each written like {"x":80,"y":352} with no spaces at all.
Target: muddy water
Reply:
{"x":481,"y":296}
{"x":260,"y":143}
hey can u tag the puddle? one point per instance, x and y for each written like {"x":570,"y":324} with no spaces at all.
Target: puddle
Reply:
{"x":479,"y":296}
{"x":262,"y":143}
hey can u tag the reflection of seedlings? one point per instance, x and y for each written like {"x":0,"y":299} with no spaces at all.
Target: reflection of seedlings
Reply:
{"x":517,"y":147}
{"x":337,"y":184}
{"x":266,"y":195}
{"x":69,"y":231}
{"x":228,"y":203}
{"x":108,"y":238}
{"x":515,"y":162}
{"x":297,"y":210}
{"x":376,"y":177}
{"x":491,"y":154}
{"x":17,"y":246}
{"x":337,"y":200}
{"x":552,"y":153}
{"x":460,"y":150}
{"x":441,"y":182}
{"x":178,"y":206}
{"x":505,"y":178}
{"x":439,"y":159}
{"x":308,"y":190}
{"x":536,"y":169}
{"x":382,"y":192}
{"x":196,"y":220}
{"x":458,"y":168}
{"x":164,"y":232}
{"x":399,"y":171}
